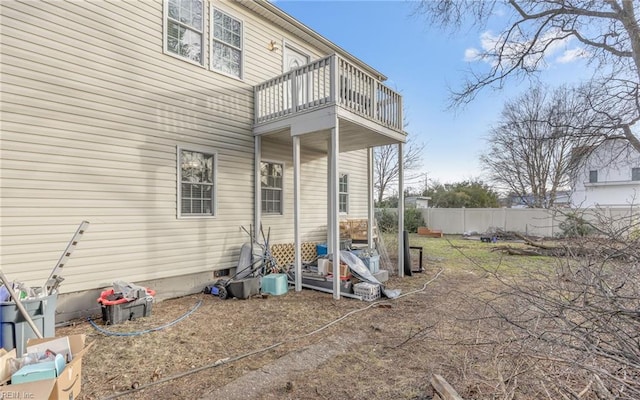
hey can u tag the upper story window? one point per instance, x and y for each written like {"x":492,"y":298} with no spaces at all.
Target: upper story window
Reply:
{"x":593,"y":176}
{"x":271,"y":182}
{"x":196,"y":175}
{"x":344,"y":193}
{"x":184,"y":29}
{"x":635,"y":174}
{"x":226,"y":44}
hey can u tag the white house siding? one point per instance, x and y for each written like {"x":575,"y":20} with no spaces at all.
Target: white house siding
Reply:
{"x":614,"y":161}
{"x":92,"y":113}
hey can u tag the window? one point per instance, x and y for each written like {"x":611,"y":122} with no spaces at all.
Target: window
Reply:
{"x":226,"y":44}
{"x":271,"y":182}
{"x":344,"y":193}
{"x":635,"y":174}
{"x":197,"y":183}
{"x":593,"y":176}
{"x":184,"y":29}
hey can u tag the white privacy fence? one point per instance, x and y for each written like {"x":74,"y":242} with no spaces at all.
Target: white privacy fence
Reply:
{"x":530,"y":221}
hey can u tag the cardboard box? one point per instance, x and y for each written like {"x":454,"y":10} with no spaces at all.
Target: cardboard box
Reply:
{"x":5,"y":370}
{"x":66,"y":386}
{"x":345,"y":272}
{"x":60,"y":346}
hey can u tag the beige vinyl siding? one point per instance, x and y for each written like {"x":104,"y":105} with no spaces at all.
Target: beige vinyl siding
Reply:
{"x":313,"y":192}
{"x":260,"y":63}
{"x":354,"y":163}
{"x":92,"y":114}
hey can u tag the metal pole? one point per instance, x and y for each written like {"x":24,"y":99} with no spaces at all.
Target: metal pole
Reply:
{"x":21,"y":308}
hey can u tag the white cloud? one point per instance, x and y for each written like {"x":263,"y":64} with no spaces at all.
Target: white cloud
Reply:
{"x":572,"y":55}
{"x":472,"y":54}
{"x":492,"y":44}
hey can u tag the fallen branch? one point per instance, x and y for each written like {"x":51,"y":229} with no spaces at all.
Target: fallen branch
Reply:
{"x":444,"y":390}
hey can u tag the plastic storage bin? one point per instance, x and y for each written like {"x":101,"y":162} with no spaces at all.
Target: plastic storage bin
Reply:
{"x":118,"y":311}
{"x":15,"y":330}
{"x":368,"y":291}
{"x":372,"y":262}
{"x":275,"y":284}
{"x":244,"y":288}
{"x":321,"y":249}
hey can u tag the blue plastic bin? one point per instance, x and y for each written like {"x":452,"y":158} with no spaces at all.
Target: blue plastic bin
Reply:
{"x":321,"y":249}
{"x":14,"y":328}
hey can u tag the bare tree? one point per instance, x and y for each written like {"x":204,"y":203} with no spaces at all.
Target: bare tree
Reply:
{"x":608,"y":34}
{"x":531,"y":148}
{"x":387,"y":168}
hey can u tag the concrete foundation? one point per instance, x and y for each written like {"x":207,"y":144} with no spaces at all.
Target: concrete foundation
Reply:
{"x":85,"y":304}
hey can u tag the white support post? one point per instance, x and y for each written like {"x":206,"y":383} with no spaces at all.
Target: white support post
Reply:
{"x":296,"y":213}
{"x":334,"y":179}
{"x":329,"y":202}
{"x":400,"y":209}
{"x":370,"y":201}
{"x":257,"y":190}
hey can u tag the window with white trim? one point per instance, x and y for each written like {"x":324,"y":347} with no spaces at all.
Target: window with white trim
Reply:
{"x":344,"y":193}
{"x":226,"y":44}
{"x":593,"y":176}
{"x":635,"y":174}
{"x":271,"y":181}
{"x":184,"y":29}
{"x":196,"y":175}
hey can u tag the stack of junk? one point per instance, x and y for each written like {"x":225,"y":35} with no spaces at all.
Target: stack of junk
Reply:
{"x":125,"y":302}
{"x":262,"y":269}
{"x":256,"y":272}
{"x":33,"y":362}
{"x":359,"y":271}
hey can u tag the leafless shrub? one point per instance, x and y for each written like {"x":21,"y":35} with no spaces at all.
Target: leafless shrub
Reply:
{"x":574,"y":328}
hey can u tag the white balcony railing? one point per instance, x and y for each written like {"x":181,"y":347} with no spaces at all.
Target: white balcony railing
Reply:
{"x":330,"y":80}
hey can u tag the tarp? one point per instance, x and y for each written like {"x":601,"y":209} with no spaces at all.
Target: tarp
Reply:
{"x":360,"y":271}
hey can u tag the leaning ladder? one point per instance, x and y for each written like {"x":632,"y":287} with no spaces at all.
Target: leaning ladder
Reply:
{"x":54,"y":279}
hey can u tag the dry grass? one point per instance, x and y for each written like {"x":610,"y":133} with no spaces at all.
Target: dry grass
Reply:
{"x":398,"y":344}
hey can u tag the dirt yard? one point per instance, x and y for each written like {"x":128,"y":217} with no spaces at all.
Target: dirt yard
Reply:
{"x":306,"y":345}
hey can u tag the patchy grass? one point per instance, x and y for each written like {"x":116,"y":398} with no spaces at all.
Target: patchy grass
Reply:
{"x":437,"y":326}
{"x":458,"y":253}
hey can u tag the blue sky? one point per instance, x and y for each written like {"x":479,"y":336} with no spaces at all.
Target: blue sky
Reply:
{"x":423,"y":63}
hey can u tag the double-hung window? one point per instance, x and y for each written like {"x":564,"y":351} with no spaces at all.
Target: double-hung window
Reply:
{"x":593,"y":176}
{"x":184,"y":29}
{"x":344,"y":193}
{"x":196,"y":172}
{"x":271,"y":182}
{"x":226,"y":44}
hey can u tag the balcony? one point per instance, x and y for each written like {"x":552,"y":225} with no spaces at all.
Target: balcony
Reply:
{"x":310,"y":96}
